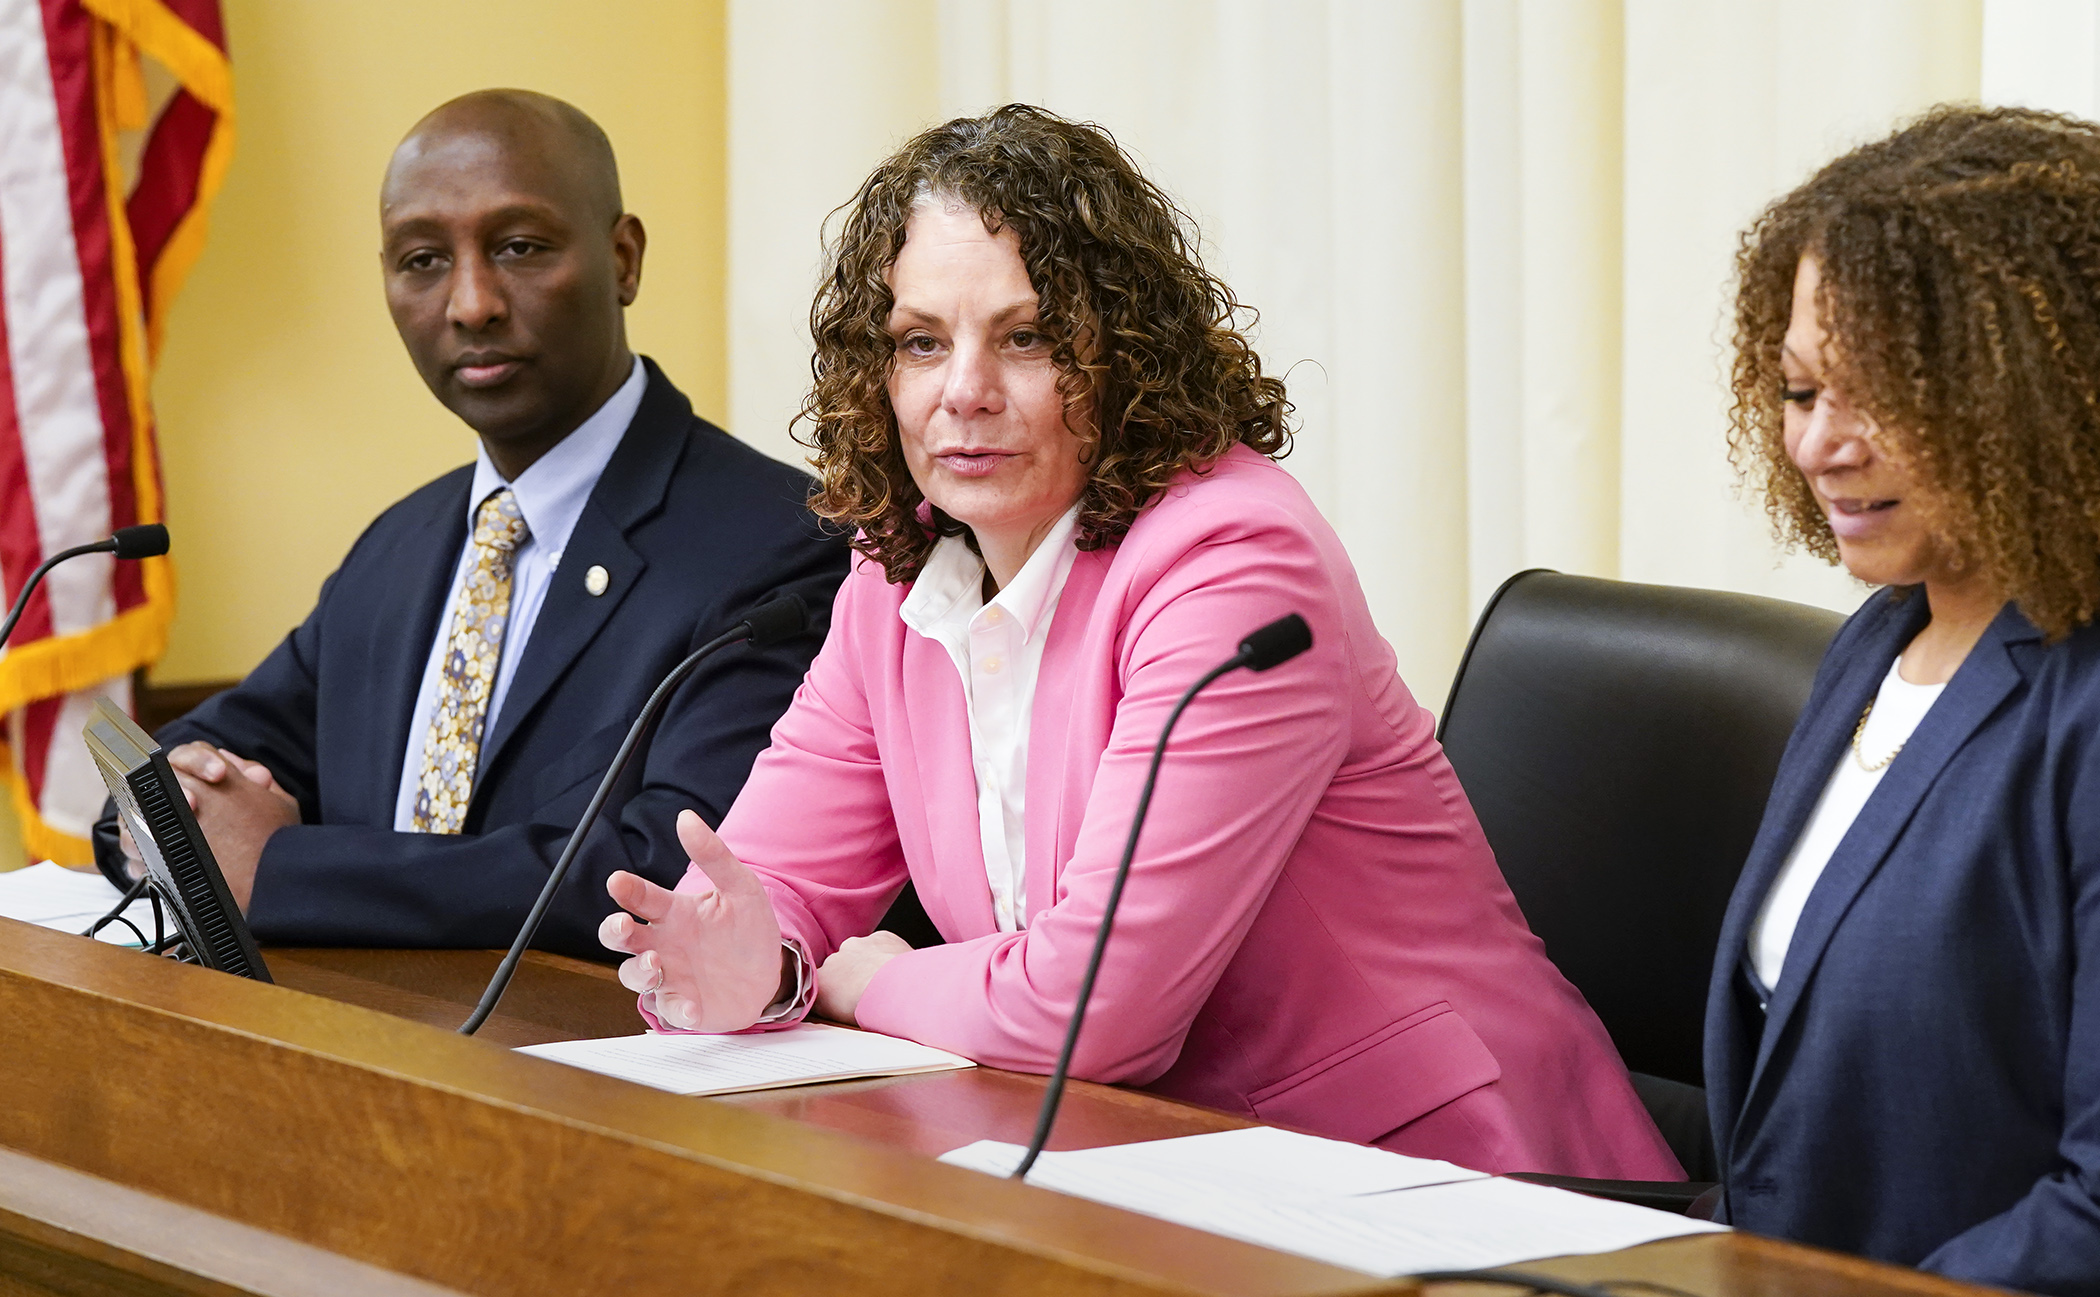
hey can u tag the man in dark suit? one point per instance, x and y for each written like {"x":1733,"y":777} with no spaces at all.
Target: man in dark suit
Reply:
{"x":405,"y":767}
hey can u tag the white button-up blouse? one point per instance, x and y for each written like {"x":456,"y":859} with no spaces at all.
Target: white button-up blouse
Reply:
{"x":997,"y":648}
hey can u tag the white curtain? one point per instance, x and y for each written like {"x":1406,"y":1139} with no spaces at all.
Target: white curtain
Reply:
{"x":1490,"y":240}
{"x":2043,"y":54}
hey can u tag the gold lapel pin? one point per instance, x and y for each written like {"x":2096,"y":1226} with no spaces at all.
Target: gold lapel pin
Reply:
{"x":597,"y":579}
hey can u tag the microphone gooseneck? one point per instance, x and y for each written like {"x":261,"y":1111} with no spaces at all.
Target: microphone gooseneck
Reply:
{"x":1272,"y":645}
{"x":773,"y":621}
{"x":147,"y":540}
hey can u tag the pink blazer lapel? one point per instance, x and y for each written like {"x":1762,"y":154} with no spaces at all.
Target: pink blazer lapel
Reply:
{"x":1063,"y":704}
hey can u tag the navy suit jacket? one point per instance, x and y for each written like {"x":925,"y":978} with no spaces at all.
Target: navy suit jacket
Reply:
{"x":695,"y":529}
{"x":1924,"y":1086}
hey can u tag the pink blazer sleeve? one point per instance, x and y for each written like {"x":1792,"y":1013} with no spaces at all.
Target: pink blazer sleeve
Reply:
{"x":814,"y":819}
{"x":1249,"y":761}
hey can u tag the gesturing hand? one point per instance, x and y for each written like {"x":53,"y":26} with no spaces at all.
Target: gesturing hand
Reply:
{"x":712,"y":957}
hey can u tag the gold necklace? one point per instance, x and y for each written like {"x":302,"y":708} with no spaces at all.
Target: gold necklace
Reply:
{"x":1858,"y":732}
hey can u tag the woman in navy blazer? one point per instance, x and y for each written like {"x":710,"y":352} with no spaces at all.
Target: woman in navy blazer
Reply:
{"x":1903,"y":1029}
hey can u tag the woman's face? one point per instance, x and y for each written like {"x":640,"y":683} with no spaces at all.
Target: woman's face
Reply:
{"x":974,"y":388}
{"x":1880,"y":510}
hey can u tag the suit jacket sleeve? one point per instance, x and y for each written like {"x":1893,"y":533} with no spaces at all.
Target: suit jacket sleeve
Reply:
{"x":268,"y":717}
{"x":1247,"y":764}
{"x":2046,"y":1242}
{"x":355,"y":885}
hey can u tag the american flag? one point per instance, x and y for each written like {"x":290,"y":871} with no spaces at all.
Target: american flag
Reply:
{"x":91,"y":253}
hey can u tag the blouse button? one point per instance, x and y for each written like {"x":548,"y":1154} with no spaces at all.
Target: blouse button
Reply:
{"x":993,"y":616}
{"x":992,"y":665}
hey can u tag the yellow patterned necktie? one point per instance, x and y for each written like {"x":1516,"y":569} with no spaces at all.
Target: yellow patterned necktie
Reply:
{"x":473,"y":648}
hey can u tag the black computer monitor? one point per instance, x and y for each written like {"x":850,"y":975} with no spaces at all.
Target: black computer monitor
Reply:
{"x":178,"y":860}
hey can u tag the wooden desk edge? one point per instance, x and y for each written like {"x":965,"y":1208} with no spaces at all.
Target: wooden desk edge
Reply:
{"x":75,"y":1219}
{"x":223,"y":1020}
{"x":841,"y":1169}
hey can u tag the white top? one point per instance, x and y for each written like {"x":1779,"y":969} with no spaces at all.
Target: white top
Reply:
{"x":1897,"y":710}
{"x":551,"y":496}
{"x":998,"y":650}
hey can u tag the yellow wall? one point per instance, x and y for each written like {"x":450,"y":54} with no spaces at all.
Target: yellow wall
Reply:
{"x":289,"y":414}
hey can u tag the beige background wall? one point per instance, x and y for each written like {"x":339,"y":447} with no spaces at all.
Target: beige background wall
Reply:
{"x":1490,"y":240}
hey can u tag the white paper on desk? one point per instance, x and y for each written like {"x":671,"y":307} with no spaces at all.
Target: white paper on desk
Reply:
{"x":1494,"y":1222}
{"x":53,"y":896}
{"x":1472,"y":1223}
{"x":1261,"y":1161}
{"x":801,"y":1055}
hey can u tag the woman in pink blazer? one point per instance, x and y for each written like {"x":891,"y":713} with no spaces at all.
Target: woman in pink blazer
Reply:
{"x":1033,"y":407}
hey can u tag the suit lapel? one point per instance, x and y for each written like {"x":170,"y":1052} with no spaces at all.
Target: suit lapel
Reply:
{"x":1826,"y":727}
{"x":1986,"y":678}
{"x":1803,"y":772}
{"x":629,"y":491}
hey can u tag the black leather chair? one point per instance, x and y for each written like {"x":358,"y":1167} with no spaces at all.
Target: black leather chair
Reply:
{"x":1618,"y":742}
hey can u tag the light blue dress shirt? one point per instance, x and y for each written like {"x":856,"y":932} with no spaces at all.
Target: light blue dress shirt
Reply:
{"x":551,"y":496}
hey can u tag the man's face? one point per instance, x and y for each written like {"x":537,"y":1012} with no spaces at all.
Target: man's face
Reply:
{"x":507,"y":284}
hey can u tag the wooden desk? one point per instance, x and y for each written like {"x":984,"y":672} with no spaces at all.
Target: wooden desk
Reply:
{"x":166,"y":1129}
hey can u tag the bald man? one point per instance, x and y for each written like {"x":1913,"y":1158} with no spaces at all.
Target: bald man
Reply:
{"x":404,"y":769}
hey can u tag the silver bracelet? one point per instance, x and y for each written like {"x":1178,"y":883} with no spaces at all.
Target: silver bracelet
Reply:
{"x":796,"y":1001}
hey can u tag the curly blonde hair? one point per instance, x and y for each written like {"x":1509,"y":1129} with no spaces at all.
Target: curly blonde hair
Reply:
{"x":1155,"y":373}
{"x":1960,"y":282}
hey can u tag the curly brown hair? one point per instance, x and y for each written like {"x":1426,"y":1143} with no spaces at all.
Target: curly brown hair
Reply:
{"x":1155,"y":372}
{"x":1960,"y":283}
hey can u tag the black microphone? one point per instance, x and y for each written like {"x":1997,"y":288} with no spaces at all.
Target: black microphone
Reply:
{"x":147,"y":540}
{"x":1272,"y":645}
{"x":768,"y":624}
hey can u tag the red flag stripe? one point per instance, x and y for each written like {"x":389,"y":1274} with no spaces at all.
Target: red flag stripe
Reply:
{"x":58,"y":408}
{"x":39,"y":722}
{"x":68,"y":35}
{"x":170,"y":170}
{"x":20,"y":549}
{"x":202,"y":17}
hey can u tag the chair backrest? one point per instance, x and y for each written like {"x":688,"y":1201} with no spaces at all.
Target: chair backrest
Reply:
{"x":1618,"y":742}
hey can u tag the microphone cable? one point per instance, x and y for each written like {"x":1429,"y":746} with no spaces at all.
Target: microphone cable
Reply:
{"x":1272,"y":645}
{"x":143,"y":887}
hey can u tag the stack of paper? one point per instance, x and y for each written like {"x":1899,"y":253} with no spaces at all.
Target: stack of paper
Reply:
{"x":52,"y":896}
{"x":803,"y":1055}
{"x":1342,"y":1203}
